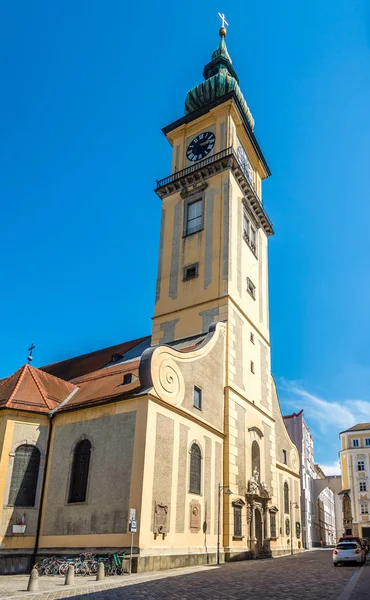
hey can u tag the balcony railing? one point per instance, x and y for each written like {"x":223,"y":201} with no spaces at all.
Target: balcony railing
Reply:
{"x":199,"y":165}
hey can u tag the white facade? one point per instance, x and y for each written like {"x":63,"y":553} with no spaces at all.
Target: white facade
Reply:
{"x":324,"y":529}
{"x":301,"y":436}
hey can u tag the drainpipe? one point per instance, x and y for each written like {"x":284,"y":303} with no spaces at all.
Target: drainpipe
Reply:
{"x":42,"y":494}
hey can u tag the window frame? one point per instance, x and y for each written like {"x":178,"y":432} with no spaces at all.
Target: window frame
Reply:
{"x":238,"y":520}
{"x":71,"y":502}
{"x":191,"y":266}
{"x":361,"y":463}
{"x":286,"y":498}
{"x":252,"y":338}
{"x":364,"y":485}
{"x":193,"y":200}
{"x":251,"y":288}
{"x":367,"y":442}
{"x":200,"y":390}
{"x":356,"y":443}
{"x":364,"y":506}
{"x":285,"y":457}
{"x":248,"y":227}
{"x":36,"y":481}
{"x":192,"y":491}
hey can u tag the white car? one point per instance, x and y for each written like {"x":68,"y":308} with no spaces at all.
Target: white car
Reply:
{"x":348,"y":552}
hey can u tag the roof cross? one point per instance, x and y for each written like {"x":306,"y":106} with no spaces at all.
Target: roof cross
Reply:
{"x":30,"y":349}
{"x":224,"y":22}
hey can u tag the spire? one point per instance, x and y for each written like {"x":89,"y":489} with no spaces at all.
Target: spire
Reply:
{"x":220,"y":79}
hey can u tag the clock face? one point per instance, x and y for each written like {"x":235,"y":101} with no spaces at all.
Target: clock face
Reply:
{"x":201,"y":145}
{"x":245,"y":164}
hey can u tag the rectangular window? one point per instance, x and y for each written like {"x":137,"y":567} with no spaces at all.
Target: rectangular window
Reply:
{"x":284,"y":457}
{"x":197,"y":398}
{"x":252,"y":338}
{"x":355,"y":443}
{"x":251,"y":288}
{"x":273,"y":525}
{"x":252,"y":366}
{"x":250,"y":233}
{"x":194,"y":216}
{"x":367,"y":441}
{"x":191,"y":272}
{"x":238,"y":521}
{"x":364,"y":509}
{"x":361,"y":465}
{"x":362,"y":486}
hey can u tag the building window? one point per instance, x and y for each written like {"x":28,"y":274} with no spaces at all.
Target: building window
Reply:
{"x":252,"y":338}
{"x":364,"y":508}
{"x":252,"y":366}
{"x":367,"y":441}
{"x":238,"y":521}
{"x":287,"y":526}
{"x":251,"y":288}
{"x":80,"y":472}
{"x":284,"y":457}
{"x":197,"y":398}
{"x":355,"y":443}
{"x":24,"y":476}
{"x":195,"y":469}
{"x":362,"y":486}
{"x":194,"y":216}
{"x":191,"y":272}
{"x":273,"y":525}
{"x":250,"y":233}
{"x":360,"y":465}
{"x":286,"y":498}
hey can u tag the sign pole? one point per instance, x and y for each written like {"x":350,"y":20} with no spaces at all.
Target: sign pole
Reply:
{"x":132,"y":543}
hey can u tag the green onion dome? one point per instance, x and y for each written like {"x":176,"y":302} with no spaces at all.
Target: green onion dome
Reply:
{"x":220,"y":78}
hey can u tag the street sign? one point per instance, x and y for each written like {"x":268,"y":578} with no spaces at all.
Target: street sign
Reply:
{"x":132,"y":514}
{"x":133,"y":525}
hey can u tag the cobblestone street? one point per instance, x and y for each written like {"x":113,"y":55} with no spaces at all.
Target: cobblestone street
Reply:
{"x":310,"y":575}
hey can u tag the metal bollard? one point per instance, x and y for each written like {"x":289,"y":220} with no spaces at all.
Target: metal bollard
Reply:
{"x":33,"y":582}
{"x":100,"y":574}
{"x":70,"y":576}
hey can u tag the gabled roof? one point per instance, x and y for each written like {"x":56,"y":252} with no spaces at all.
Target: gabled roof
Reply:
{"x":358,"y":427}
{"x":31,"y":389}
{"x":88,"y":363}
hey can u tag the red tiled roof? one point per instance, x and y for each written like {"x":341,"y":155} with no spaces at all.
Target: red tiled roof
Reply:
{"x":104,"y":384}
{"x":88,"y":363}
{"x":31,"y":389}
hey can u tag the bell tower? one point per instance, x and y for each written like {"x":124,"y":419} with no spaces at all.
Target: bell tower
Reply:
{"x":214,"y":230}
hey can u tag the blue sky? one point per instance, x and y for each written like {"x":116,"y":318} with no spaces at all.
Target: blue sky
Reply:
{"x":87,"y":87}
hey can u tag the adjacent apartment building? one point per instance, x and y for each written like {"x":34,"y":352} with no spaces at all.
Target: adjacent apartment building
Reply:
{"x":318,"y":496}
{"x":355,"y":469}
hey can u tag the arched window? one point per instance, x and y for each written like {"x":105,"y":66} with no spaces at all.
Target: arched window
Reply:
{"x":195,"y":469}
{"x":80,"y":472}
{"x":286,"y":498}
{"x":24,"y":476}
{"x":256,"y":461}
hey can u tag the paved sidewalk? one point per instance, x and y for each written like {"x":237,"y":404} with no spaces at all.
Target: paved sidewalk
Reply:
{"x":362,"y":589}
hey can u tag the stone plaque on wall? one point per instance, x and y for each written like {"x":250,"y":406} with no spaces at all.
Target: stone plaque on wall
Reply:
{"x":194,"y":516}
{"x":160,"y":518}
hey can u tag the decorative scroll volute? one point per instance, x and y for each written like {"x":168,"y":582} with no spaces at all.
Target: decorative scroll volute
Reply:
{"x":168,"y":381}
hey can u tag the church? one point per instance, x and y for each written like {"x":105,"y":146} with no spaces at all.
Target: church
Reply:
{"x":183,"y":427}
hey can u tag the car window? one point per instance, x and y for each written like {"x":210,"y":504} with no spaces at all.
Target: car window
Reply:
{"x":346,"y":546}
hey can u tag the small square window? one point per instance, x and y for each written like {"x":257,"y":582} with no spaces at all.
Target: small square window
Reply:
{"x":362,"y":486}
{"x":284,"y":457}
{"x":252,"y":366}
{"x":355,"y":443}
{"x":364,"y":509}
{"x":361,"y":465}
{"x":191,"y":272}
{"x":197,"y":398}
{"x":193,"y":216}
{"x":251,"y":288}
{"x":252,"y":338}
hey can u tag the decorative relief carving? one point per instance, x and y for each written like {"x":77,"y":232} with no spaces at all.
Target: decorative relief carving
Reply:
{"x":161,"y":518}
{"x":293,"y":458}
{"x":168,"y":381}
{"x":194,"y":516}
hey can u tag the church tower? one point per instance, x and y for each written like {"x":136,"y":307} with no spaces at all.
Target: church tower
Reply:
{"x":214,"y":232}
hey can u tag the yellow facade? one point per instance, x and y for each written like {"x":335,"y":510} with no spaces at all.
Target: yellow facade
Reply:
{"x":355,"y":470}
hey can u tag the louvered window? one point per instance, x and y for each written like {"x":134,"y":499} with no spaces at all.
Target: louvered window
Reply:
{"x":286,"y":498}
{"x":80,"y":472}
{"x":24,"y":476}
{"x":195,"y":469}
{"x":237,"y":521}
